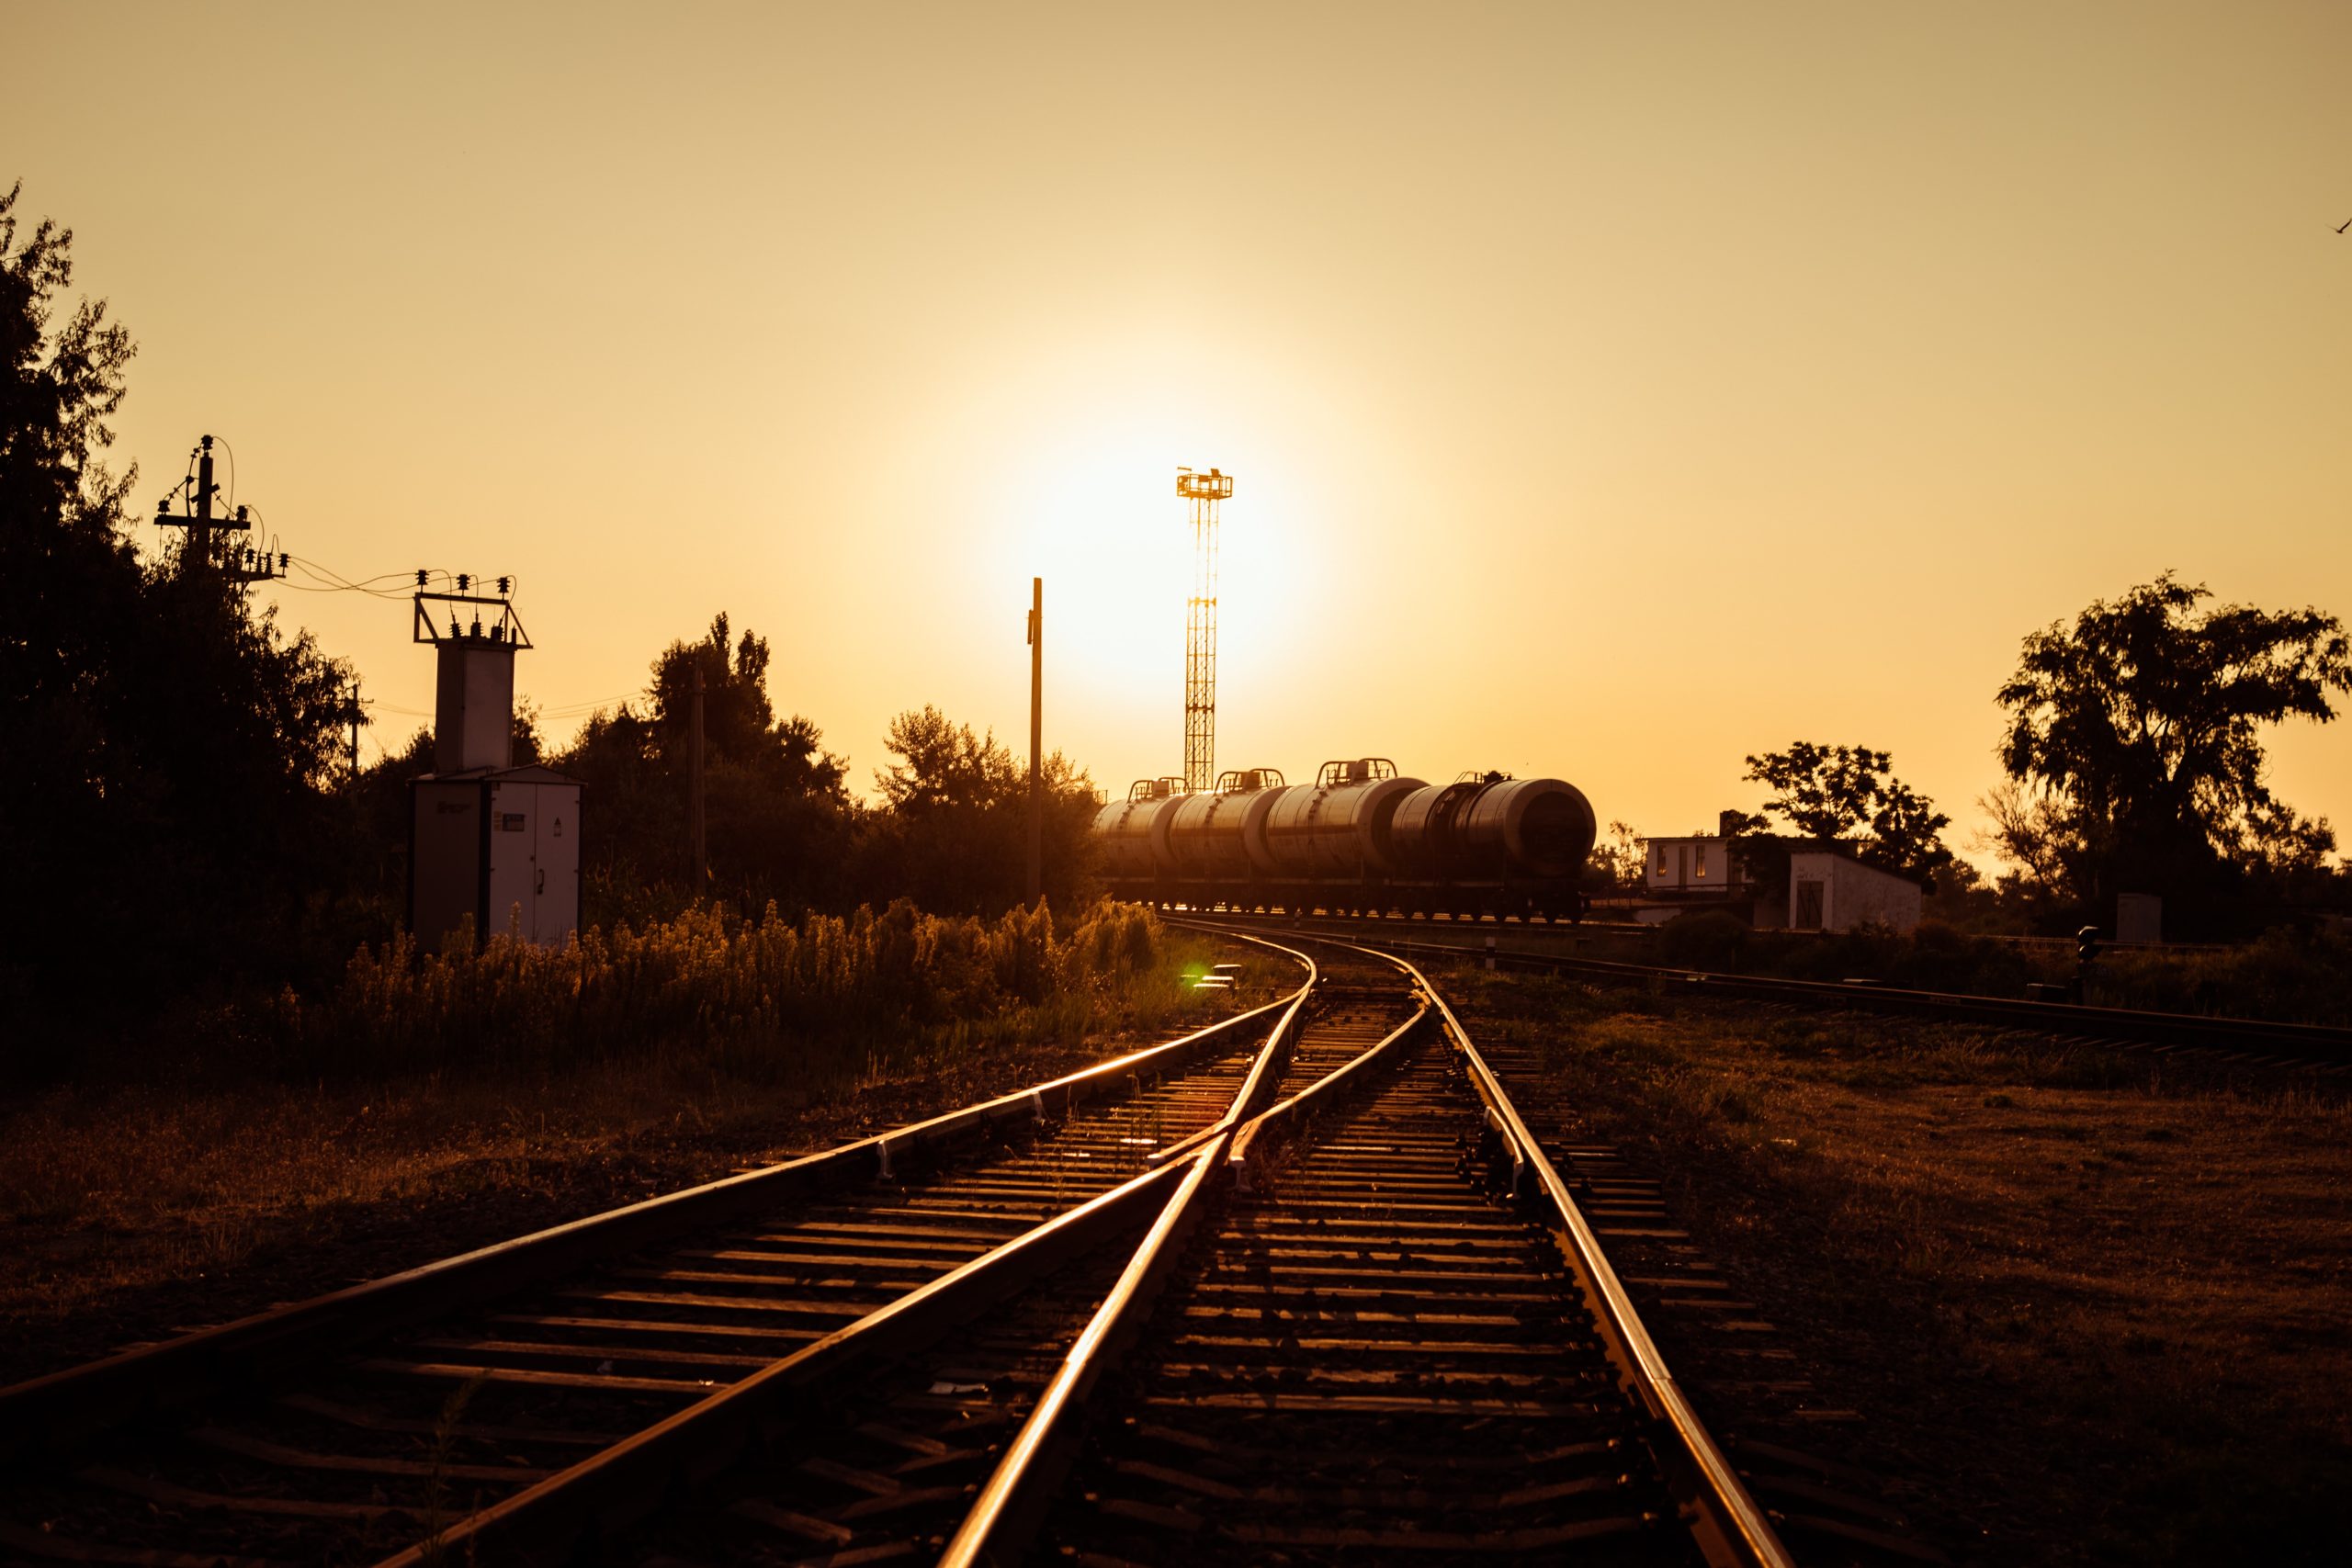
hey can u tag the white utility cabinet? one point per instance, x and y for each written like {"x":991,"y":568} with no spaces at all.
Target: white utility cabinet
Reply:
{"x":500,"y":844}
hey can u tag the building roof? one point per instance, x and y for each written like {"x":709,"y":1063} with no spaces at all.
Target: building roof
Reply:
{"x":1855,"y":860}
{"x":527,"y":772}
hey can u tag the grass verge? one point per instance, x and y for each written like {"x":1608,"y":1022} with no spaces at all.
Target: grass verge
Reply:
{"x":2098,"y":1305}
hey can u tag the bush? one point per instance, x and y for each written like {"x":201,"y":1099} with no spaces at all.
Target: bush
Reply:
{"x":2290,"y":975}
{"x":1707,"y":939}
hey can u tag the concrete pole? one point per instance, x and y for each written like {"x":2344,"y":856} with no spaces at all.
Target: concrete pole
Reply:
{"x":203,"y":528}
{"x":1036,"y":739}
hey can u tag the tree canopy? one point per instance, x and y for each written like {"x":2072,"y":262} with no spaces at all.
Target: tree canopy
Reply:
{"x":168,"y":745}
{"x":2134,"y":743}
{"x":1844,"y":794}
{"x":953,"y":827}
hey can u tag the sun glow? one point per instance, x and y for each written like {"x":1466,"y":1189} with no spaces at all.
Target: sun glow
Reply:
{"x":1089,"y":504}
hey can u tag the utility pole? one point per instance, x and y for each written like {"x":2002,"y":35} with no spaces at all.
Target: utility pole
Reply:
{"x":197,"y":492}
{"x":201,"y":532}
{"x":196,"y":516}
{"x":1036,"y":739}
{"x":355,"y":722}
{"x":693,"y":808}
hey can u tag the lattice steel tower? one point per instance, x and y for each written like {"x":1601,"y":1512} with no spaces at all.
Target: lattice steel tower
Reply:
{"x":1203,"y":491}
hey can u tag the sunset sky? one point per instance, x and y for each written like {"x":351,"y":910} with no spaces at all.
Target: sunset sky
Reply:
{"x":1611,"y":390}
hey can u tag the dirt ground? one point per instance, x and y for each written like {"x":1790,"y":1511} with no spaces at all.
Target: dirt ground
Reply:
{"x":2097,"y":1305}
{"x":128,"y":1214}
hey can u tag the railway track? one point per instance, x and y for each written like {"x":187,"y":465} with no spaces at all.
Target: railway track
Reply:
{"x":1372,"y":1353}
{"x":2256,"y":1042}
{"x":1373,"y":1325}
{"x":1304,"y":1287}
{"x":327,"y":1431}
{"x":885,"y":1470}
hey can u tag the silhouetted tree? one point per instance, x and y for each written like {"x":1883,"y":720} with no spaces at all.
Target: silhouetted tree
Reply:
{"x":162,"y":818}
{"x":953,"y":832}
{"x":2135,"y":744}
{"x":1617,"y":861}
{"x":1844,"y":795}
{"x":779,"y":823}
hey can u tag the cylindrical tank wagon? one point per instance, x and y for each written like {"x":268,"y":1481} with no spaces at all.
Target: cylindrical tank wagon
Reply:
{"x":1359,"y":837}
{"x":1221,"y":834}
{"x":1336,"y":829}
{"x":1132,"y":834}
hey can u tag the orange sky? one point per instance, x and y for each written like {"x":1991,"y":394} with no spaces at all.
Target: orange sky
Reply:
{"x":1611,"y":390}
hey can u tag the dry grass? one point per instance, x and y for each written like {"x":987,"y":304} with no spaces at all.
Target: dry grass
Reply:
{"x":2102,"y":1302}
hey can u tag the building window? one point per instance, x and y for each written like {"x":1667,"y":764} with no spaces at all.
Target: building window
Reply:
{"x":1661,"y":860}
{"x":1698,"y":863}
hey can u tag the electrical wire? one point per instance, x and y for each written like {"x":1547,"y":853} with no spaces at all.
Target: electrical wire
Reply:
{"x":334,"y":582}
{"x":582,"y":709}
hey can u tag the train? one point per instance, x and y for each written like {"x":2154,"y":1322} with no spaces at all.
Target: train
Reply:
{"x":1359,"y":838}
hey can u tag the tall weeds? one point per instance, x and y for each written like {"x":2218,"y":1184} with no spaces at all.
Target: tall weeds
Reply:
{"x":824,"y":994}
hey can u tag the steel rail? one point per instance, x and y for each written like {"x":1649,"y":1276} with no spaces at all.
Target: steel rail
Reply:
{"x":1729,"y":1527}
{"x":1238,"y":1153}
{"x":1014,"y":1498}
{"x":2312,"y":1042}
{"x":1013,"y":1501}
{"x":619,"y":1484}
{"x":1269,"y":1062}
{"x":65,"y":1408}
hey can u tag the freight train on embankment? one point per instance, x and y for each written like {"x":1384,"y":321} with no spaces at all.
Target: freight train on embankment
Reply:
{"x":1358,"y":838}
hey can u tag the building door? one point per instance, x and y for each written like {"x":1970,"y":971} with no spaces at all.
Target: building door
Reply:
{"x":445,"y":859}
{"x":1807,"y":914}
{"x":557,"y":855}
{"x":512,"y":883}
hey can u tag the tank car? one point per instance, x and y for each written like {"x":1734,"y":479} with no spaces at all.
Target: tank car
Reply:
{"x":1359,"y":837}
{"x":1132,"y":834}
{"x":1220,"y":836}
{"x":1337,"y":829}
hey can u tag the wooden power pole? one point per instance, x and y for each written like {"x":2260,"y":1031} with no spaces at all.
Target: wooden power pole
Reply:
{"x":1036,"y":739}
{"x":356,"y":721}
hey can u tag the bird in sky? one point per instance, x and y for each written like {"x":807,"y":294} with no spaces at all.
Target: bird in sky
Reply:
{"x":2346,"y":224}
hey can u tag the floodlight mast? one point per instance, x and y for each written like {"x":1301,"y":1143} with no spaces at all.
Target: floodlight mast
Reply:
{"x":1204,"y":491}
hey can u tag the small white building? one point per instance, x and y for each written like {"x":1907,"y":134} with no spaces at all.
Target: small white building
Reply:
{"x":1830,"y":892}
{"x":489,"y":842}
{"x":1701,"y":863}
{"x":500,"y":847}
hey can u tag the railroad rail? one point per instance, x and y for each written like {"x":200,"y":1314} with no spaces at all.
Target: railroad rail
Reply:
{"x":1314,"y":1252}
{"x":2261,"y":1040}
{"x":321,"y":1431}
